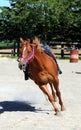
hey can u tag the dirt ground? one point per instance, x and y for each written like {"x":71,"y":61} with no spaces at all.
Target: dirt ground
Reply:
{"x":24,"y":107}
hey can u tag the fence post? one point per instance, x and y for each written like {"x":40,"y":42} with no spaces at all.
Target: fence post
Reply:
{"x":14,"y":47}
{"x":18,"y":46}
{"x":62,"y":51}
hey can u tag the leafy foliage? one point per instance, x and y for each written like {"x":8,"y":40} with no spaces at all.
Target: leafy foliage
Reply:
{"x":50,"y":20}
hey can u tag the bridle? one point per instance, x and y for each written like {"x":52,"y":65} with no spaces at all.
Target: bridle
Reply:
{"x":29,"y":58}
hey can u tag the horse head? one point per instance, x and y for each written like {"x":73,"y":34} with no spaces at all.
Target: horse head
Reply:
{"x":27,"y":53}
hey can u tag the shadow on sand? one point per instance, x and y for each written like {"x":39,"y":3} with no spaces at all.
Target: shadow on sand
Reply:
{"x":78,"y":72}
{"x":15,"y":106}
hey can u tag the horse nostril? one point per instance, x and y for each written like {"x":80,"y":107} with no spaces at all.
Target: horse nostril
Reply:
{"x":20,"y":66}
{"x":23,"y":67}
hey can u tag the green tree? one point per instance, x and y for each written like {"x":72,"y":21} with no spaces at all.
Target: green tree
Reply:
{"x":50,"y":20}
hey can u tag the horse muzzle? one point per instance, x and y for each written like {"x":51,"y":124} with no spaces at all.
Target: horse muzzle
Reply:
{"x":22,"y":66}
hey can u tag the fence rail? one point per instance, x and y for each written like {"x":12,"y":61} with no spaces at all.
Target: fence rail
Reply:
{"x":12,"y":50}
{"x":61,"y":49}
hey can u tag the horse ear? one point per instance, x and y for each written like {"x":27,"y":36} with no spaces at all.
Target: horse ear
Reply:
{"x":21,"y":40}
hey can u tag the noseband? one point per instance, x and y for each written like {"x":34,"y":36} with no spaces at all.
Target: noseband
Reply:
{"x":29,"y":58}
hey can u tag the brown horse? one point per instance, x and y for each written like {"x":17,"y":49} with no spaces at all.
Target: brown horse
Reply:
{"x":43,"y":70}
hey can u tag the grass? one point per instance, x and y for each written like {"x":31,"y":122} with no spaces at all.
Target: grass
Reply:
{"x":7,"y":45}
{"x":14,"y":57}
{"x":65,"y":58}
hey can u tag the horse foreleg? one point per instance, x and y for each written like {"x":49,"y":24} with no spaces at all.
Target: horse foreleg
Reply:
{"x":50,"y":97}
{"x":56,"y":86}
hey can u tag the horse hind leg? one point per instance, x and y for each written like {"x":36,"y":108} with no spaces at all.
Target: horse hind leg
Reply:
{"x":44,"y":88}
{"x":58,"y":93}
{"x":53,"y":92}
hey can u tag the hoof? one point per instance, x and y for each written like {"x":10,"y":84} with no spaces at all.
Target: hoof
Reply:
{"x":57,"y":114}
{"x":57,"y":111}
{"x":63,"y":108}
